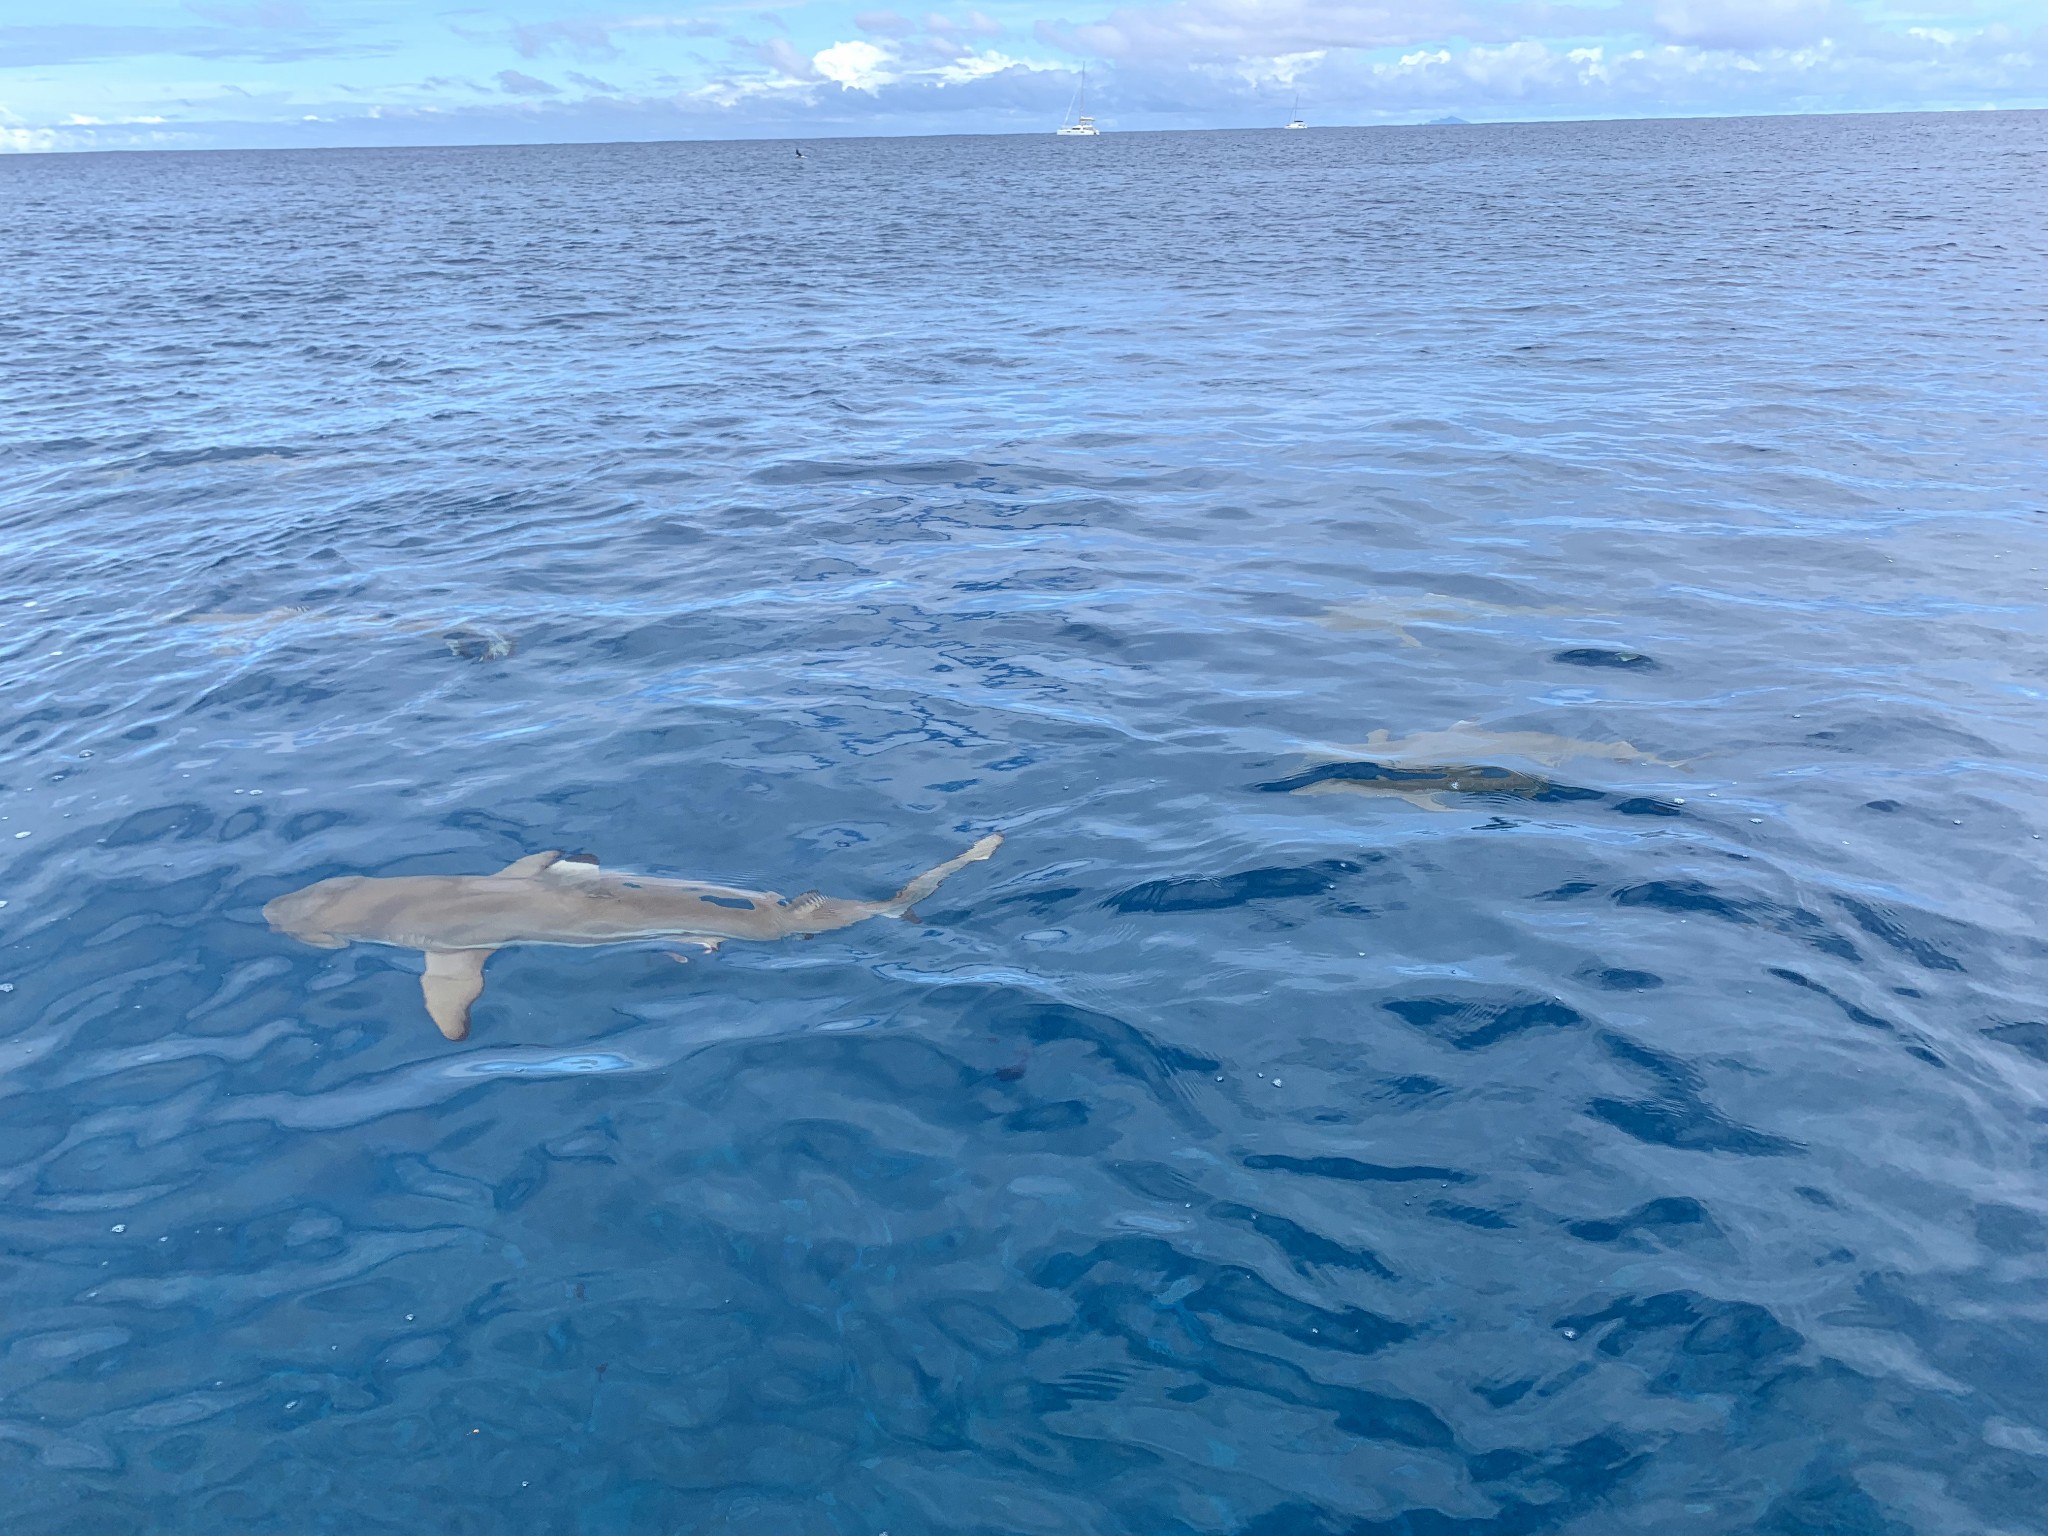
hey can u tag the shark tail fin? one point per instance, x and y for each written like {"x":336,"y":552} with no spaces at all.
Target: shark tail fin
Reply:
{"x":900,"y":904}
{"x":454,"y":979}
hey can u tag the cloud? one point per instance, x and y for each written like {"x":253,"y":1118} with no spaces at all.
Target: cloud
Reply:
{"x":973,"y":24}
{"x":779,"y":55}
{"x":592,"y":83}
{"x":1748,"y":24}
{"x":1211,"y":30}
{"x":590,"y":38}
{"x":513,"y":83}
{"x":855,"y":66}
{"x":85,"y":43}
{"x":884,"y":23}
{"x":580,"y":38}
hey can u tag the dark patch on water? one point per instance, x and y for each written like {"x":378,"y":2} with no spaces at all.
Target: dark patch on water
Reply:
{"x":165,"y":823}
{"x":1885,"y":924}
{"x":1307,"y":1251}
{"x":1060,"y":1115}
{"x":1212,"y":893}
{"x":1621,"y":979}
{"x":1678,"y":1115}
{"x":1688,"y":1343}
{"x":1416,"y":1086}
{"x":1850,"y":1010}
{"x":1594,"y":656}
{"x":1472,"y":1024}
{"x":1470,"y":1215}
{"x":1831,"y":1504}
{"x":2029,"y":1036}
{"x":1671,"y":1218}
{"x":1696,"y":896}
{"x":1351,"y":1169}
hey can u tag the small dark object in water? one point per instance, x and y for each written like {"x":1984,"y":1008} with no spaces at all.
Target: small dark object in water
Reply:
{"x":1881,"y":805}
{"x":1593,"y":656}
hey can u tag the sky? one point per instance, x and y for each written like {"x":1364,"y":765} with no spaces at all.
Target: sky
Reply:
{"x":139,"y":74}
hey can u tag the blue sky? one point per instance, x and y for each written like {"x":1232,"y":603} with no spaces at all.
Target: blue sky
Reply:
{"x":106,"y":74}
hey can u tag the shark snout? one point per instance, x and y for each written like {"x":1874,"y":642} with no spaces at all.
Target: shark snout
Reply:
{"x":302,"y":914}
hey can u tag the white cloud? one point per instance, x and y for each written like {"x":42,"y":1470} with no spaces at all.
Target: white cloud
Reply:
{"x":856,"y":66}
{"x":979,"y":66}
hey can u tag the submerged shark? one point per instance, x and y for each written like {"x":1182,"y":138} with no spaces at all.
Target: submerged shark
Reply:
{"x":242,"y":632}
{"x":1426,"y":769}
{"x":459,"y":921}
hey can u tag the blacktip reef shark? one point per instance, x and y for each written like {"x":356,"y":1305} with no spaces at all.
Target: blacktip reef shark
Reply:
{"x":242,"y":632}
{"x":460,"y":921}
{"x":1464,"y":760}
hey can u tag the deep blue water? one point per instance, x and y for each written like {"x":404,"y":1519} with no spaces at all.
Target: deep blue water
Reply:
{"x":1654,"y":1141}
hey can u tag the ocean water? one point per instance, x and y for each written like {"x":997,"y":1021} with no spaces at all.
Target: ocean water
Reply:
{"x":1616,"y":1101}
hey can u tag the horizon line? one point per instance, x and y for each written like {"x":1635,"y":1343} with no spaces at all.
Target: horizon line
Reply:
{"x":54,"y":151}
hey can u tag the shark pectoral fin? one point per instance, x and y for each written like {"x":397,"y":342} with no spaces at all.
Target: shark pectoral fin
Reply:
{"x":532,"y":864}
{"x":453,"y":980}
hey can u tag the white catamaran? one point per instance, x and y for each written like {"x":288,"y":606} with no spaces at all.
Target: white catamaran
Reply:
{"x":1081,"y":126}
{"x":1297,"y":123}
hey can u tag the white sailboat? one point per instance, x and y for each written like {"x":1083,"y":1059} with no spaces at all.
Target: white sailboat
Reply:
{"x":1297,"y":123}
{"x":1081,"y":126}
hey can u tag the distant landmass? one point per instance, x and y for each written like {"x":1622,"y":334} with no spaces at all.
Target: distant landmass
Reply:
{"x":1442,"y":122}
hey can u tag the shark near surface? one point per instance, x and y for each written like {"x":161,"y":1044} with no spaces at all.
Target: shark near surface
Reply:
{"x":460,"y":921}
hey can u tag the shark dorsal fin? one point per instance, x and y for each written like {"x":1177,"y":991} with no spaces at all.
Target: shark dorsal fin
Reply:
{"x":572,"y":868}
{"x":532,"y":864}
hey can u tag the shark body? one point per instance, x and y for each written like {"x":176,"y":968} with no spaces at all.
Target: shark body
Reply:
{"x":1430,"y":768}
{"x":459,"y":921}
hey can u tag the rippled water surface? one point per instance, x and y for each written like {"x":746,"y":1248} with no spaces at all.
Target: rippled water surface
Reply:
{"x":1616,"y":1099}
